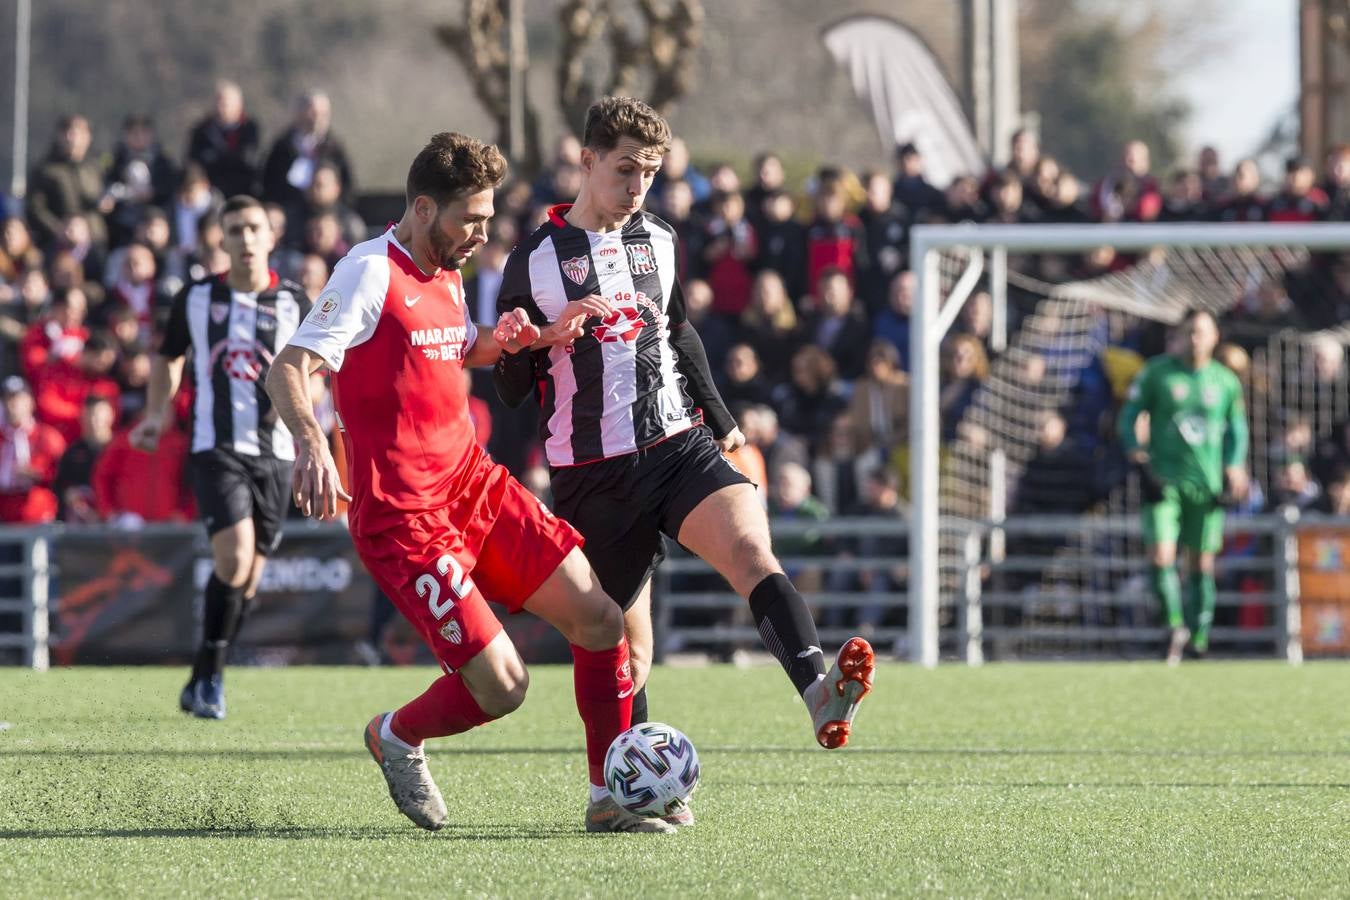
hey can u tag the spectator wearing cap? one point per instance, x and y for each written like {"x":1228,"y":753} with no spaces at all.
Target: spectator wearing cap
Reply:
{"x":29,"y":452}
{"x":141,"y":175}
{"x":63,"y":386}
{"x":1129,"y":193}
{"x":225,"y":143}
{"x":297,"y":156}
{"x":1300,"y":199}
{"x":912,"y":188}
{"x":59,"y":335}
{"x":66,"y":183}
{"x":74,"y":473}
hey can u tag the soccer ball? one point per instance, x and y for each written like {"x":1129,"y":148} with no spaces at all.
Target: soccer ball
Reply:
{"x":652,"y":769}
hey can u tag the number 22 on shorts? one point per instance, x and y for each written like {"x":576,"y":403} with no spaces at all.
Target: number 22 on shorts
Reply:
{"x":428,"y":587}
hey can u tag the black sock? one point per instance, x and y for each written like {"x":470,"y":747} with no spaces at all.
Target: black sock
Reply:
{"x":788,"y":631}
{"x":640,"y":706}
{"x":223,"y":605}
{"x":246,"y":605}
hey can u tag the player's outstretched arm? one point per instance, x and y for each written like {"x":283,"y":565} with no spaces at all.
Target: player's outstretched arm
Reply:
{"x":315,"y":483}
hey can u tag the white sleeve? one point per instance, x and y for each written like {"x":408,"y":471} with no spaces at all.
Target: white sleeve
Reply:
{"x":470,"y":334}
{"x":347,"y":310}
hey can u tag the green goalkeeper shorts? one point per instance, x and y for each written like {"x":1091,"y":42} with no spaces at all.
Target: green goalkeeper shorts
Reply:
{"x":1186,"y":515}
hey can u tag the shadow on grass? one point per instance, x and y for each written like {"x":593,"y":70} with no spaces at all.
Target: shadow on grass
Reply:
{"x":450,"y":750}
{"x":452,"y":832}
{"x":1076,"y":785}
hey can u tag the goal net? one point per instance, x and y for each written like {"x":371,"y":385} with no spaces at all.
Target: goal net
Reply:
{"x":1028,"y":429}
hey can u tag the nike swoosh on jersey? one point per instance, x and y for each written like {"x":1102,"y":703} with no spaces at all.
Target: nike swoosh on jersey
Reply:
{"x":623,"y":694}
{"x":410,"y":302}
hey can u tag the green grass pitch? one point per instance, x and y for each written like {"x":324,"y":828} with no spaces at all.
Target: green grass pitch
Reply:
{"x":1216,"y":779}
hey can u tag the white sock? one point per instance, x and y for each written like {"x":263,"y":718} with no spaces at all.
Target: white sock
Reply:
{"x":598,"y":792}
{"x":387,"y":733}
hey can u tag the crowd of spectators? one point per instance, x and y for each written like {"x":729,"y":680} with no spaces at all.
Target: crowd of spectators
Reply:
{"x":802,"y":294}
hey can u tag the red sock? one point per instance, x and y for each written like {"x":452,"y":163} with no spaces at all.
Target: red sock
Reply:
{"x":445,"y":708}
{"x":604,"y":688}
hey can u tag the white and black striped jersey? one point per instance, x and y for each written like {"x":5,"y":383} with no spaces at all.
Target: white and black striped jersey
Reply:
{"x":622,"y":386}
{"x":233,"y":337}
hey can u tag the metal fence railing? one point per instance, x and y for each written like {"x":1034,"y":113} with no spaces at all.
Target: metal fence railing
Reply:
{"x":1026,"y":587}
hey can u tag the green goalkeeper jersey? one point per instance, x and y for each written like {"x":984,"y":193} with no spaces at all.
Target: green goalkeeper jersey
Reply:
{"x":1197,"y":426}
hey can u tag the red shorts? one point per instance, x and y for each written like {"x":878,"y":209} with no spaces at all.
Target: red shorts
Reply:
{"x":497,"y":542}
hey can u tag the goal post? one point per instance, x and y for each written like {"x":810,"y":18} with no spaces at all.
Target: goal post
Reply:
{"x":985,"y":248}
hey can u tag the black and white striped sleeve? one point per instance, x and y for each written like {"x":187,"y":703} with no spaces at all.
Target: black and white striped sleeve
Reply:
{"x":514,"y":373}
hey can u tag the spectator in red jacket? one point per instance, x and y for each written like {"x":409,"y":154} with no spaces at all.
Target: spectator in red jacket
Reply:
{"x":63,"y":386}
{"x":58,"y":336}
{"x":1130,"y":193}
{"x":730,"y":247}
{"x":29,"y":452}
{"x":132,"y":486}
{"x":835,"y":238}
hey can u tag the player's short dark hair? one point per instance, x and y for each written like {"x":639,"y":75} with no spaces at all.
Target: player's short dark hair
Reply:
{"x":611,"y":119}
{"x":241,"y":202}
{"x":452,"y":166}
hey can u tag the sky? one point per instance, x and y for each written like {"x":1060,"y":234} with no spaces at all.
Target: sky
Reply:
{"x":1240,"y":93}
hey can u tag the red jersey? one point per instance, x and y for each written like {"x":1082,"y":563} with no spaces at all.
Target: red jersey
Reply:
{"x":396,"y":339}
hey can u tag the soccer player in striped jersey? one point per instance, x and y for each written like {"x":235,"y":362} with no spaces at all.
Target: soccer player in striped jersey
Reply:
{"x":233,"y":324}
{"x":633,"y":427}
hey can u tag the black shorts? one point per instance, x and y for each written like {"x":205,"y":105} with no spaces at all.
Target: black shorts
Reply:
{"x":623,"y":505}
{"x":231,"y":487}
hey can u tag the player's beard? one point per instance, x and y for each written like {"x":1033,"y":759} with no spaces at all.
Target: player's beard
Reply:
{"x":443,"y":251}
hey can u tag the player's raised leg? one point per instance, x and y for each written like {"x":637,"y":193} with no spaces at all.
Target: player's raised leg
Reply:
{"x":730,"y":531}
{"x":572,"y":600}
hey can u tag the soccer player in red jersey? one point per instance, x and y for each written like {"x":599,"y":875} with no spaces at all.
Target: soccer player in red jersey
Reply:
{"x":632,"y":424}
{"x":439,"y":525}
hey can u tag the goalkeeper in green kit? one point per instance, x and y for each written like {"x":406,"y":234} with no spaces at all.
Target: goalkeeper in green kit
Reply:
{"x":1192,"y":466}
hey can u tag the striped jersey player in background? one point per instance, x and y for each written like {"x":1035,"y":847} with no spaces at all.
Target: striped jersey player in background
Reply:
{"x":233,"y":324}
{"x":632,"y":425}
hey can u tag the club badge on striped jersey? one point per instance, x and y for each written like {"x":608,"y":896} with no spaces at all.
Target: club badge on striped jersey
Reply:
{"x":641,"y":259}
{"x":577,"y":268}
{"x":220,"y":312}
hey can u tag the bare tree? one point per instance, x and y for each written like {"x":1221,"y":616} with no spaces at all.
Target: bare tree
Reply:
{"x":482,"y":47}
{"x":659,"y":53}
